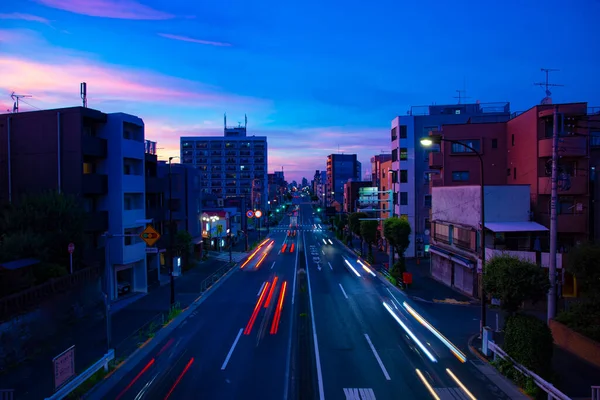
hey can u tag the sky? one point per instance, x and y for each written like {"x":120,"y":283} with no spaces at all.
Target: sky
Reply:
{"x":316,"y":77}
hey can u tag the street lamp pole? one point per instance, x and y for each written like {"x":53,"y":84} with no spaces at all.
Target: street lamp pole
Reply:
{"x":230,"y":246}
{"x":437,"y":140}
{"x":171,"y":234}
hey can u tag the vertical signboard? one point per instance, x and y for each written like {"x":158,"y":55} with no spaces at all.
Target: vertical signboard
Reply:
{"x":64,"y":367}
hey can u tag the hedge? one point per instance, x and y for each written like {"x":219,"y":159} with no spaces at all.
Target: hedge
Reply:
{"x":529,"y":342}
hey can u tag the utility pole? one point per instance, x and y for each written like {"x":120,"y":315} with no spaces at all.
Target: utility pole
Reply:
{"x":171,"y":234}
{"x":553,"y":231}
{"x":391,"y":214}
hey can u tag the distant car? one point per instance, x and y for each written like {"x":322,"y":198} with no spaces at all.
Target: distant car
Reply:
{"x":124,"y":287}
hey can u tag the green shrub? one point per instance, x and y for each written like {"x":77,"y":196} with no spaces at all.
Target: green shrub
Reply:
{"x":583,"y":318}
{"x":398,"y":269}
{"x":529,"y":342}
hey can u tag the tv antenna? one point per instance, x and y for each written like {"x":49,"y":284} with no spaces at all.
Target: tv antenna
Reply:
{"x":462,"y":94}
{"x":16,"y":98}
{"x":83,"y":93}
{"x":547,"y":85}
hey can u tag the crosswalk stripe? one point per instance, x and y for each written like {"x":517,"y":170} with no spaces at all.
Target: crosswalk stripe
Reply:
{"x":451,"y":394}
{"x":359,"y":394}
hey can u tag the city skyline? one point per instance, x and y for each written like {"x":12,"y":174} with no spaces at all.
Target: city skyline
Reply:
{"x":318,"y":86}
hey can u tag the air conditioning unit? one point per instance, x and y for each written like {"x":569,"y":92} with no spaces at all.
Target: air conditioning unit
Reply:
{"x":420,"y":254}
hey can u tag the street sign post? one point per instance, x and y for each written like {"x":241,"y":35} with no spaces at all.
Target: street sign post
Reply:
{"x":71,"y":249}
{"x":258,"y":213}
{"x":249,"y":213}
{"x":150,"y":236}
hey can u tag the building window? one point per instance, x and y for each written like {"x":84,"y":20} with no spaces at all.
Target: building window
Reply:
{"x":513,"y":139}
{"x":460,"y":176}
{"x":494,"y":143}
{"x":403,"y":132}
{"x":394,"y":133}
{"x":133,"y":201}
{"x":427,"y":224}
{"x":403,"y":198}
{"x":442,"y":233}
{"x":459,"y":148}
{"x":595,"y":139}
{"x":403,"y":154}
{"x":428,"y":200}
{"x":463,"y":238}
{"x":403,"y":176}
{"x":515,"y":173}
{"x":131,"y":240}
{"x":394,"y":155}
{"x":507,"y":171}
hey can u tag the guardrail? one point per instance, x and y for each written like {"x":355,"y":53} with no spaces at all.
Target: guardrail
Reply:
{"x":553,"y":393}
{"x":595,"y":392}
{"x":6,"y":394}
{"x":215,"y":276}
{"x":84,"y":376}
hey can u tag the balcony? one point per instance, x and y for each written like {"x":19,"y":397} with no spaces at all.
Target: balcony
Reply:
{"x":94,"y":146}
{"x":567,"y":223}
{"x":94,"y":184}
{"x":578,"y":185}
{"x":153,"y":185}
{"x":569,"y":146}
{"x":96,"y":221}
{"x":436,"y":160}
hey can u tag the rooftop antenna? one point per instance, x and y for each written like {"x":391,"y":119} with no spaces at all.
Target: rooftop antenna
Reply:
{"x":547,"y":85}
{"x":245,"y":121}
{"x":83,"y":93}
{"x":225,"y":120}
{"x":462,"y":94}
{"x":16,"y":98}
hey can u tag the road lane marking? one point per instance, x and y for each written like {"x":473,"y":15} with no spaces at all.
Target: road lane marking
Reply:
{"x":330,"y":267}
{"x":273,"y":265}
{"x":232,"y":348}
{"x":261,"y":288}
{"x":450,"y":394}
{"x":343,"y":291}
{"x":323,"y":251}
{"x":385,"y":373}
{"x":314,"y":329}
{"x":359,"y":394}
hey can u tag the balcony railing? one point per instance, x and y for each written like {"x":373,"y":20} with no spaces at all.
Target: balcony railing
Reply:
{"x":569,"y":146}
{"x":573,"y":185}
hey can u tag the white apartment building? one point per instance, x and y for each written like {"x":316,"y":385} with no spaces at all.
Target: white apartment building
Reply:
{"x":124,"y":166}
{"x":232,"y":165}
{"x":410,"y":161}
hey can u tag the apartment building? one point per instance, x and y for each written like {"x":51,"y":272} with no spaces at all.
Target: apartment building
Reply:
{"x":156,"y":211}
{"x":351,"y":195}
{"x":340,"y":168}
{"x":376,"y":165}
{"x":84,"y":152}
{"x":456,"y":235}
{"x":385,"y":179}
{"x":410,"y":160}
{"x":232,"y":165}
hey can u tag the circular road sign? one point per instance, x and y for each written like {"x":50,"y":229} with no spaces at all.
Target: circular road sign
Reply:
{"x":258,"y":213}
{"x":249,"y":213}
{"x":71,"y":248}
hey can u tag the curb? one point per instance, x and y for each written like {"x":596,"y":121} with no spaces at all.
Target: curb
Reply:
{"x":124,"y":367}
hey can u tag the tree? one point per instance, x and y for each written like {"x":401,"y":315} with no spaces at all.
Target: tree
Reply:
{"x":354,"y":225}
{"x":397,"y":232}
{"x":50,"y":221}
{"x":314,"y":198}
{"x":514,"y":281}
{"x":582,"y":262}
{"x":368,"y":230}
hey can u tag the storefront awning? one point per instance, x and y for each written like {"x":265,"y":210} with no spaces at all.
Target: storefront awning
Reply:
{"x":452,"y":257}
{"x":520,"y":226}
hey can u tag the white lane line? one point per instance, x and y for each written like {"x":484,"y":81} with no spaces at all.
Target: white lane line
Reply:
{"x":314,"y":328}
{"x":261,"y":288}
{"x":330,"y":267}
{"x":273,"y":265}
{"x":343,"y":291}
{"x":359,"y":394}
{"x":231,"y":350}
{"x":385,"y":373}
{"x":296,"y":274}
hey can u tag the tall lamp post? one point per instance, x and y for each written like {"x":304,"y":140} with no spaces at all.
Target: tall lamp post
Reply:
{"x":230,"y":245}
{"x":437,"y":139}
{"x":171,"y":233}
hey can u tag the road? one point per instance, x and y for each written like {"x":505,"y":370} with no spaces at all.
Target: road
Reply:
{"x":366,"y":341}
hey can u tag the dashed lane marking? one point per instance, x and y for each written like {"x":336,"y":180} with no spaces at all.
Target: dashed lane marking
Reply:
{"x":359,"y":394}
{"x":451,"y":394}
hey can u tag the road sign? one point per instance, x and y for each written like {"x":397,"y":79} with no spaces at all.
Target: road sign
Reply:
{"x":71,"y":248}
{"x":258,"y":213}
{"x":249,"y":213}
{"x":150,"y":236}
{"x":64,"y":367}
{"x":151,"y":250}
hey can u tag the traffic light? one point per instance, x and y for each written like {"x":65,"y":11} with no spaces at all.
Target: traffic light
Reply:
{"x":150,"y":235}
{"x":318,"y":210}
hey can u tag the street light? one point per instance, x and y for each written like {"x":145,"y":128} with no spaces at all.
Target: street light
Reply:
{"x":210,"y":220}
{"x":230,"y":245}
{"x":436,"y":139}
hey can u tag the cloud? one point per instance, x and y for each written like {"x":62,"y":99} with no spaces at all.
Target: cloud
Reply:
{"x":25,"y":17}
{"x":192,"y":40}
{"x":118,"y":9}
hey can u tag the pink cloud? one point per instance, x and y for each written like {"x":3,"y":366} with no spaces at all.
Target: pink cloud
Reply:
{"x":25,"y":17}
{"x":118,"y":9}
{"x":192,"y":40}
{"x":58,"y":82}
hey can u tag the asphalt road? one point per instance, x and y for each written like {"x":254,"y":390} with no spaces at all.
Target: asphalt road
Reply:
{"x":241,"y":341}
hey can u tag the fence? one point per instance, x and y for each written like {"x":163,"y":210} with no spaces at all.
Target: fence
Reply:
{"x":212,"y":279}
{"x":595,"y":392}
{"x":7,"y":394}
{"x":84,"y":376}
{"x":553,"y":393}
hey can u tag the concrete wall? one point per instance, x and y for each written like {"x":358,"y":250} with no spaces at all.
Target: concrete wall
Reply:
{"x":461,"y":204}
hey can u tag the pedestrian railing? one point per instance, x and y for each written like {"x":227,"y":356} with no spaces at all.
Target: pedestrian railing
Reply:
{"x":553,"y":393}
{"x":7,"y":394}
{"x":84,"y":376}
{"x":595,"y":392}
{"x":214,"y":277}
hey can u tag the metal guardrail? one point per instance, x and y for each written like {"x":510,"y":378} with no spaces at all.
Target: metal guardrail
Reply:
{"x":215,"y":276}
{"x":7,"y":394}
{"x":595,"y":392}
{"x":553,"y":393}
{"x":84,"y":376}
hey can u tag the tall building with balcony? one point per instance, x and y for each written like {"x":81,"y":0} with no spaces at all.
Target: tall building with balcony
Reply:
{"x":84,"y":152}
{"x":376,"y":165}
{"x":340,"y":168}
{"x":231,"y":165}
{"x":410,"y":161}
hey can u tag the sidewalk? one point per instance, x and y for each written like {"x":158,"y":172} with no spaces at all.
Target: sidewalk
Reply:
{"x":89,"y":335}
